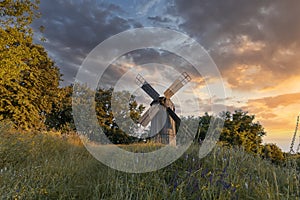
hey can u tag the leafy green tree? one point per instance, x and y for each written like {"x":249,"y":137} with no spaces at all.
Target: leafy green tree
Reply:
{"x":28,"y":78}
{"x":273,"y":153}
{"x":61,"y":117}
{"x":239,"y":129}
{"x":116,"y":124}
{"x":204,"y":122}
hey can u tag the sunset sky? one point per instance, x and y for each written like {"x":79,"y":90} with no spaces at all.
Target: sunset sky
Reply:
{"x":255,"y":45}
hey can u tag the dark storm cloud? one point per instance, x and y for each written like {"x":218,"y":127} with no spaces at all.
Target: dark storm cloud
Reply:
{"x":276,"y":21}
{"x":73,"y":28}
{"x":264,"y":35}
{"x":242,"y":32}
{"x":140,"y":58}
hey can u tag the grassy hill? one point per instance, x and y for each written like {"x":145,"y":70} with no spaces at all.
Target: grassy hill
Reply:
{"x":48,"y":166}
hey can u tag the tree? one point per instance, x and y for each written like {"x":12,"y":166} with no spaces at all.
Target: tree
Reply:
{"x":61,"y":117}
{"x":239,"y":129}
{"x":28,"y":78}
{"x":116,"y":124}
{"x":273,"y":153}
{"x":204,"y":122}
{"x":117,"y":120}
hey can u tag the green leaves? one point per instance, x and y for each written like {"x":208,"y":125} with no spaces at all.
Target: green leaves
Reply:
{"x":239,"y":129}
{"x":115,"y":113}
{"x":117,"y":120}
{"x":29,"y":80}
{"x":18,"y":13}
{"x":273,"y":153}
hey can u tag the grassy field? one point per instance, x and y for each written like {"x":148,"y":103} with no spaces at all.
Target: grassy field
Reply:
{"x":47,"y":166}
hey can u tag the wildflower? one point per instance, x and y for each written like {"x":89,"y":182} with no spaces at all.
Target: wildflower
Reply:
{"x":175,"y":185}
{"x":204,"y":172}
{"x":3,"y":170}
{"x":186,"y":156}
{"x":226,"y":185}
{"x":204,"y":187}
{"x":210,"y":178}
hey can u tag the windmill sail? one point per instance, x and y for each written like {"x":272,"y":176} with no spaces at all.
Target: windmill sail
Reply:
{"x":147,"y":87}
{"x":164,"y":121}
{"x":177,"y":85}
{"x":149,"y":115}
{"x":174,"y":117}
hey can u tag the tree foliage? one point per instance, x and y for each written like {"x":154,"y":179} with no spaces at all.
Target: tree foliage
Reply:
{"x":28,"y":78}
{"x":61,"y":117}
{"x":115,"y":120}
{"x":239,"y":129}
{"x":117,"y":114}
{"x":273,"y":153}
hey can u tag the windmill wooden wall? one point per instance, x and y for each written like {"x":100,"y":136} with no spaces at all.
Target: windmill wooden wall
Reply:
{"x":166,"y":135}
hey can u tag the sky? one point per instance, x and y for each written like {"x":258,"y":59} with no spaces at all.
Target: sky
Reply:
{"x":254,"y":44}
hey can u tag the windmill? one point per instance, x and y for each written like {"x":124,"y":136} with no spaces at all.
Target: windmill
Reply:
{"x":164,"y":121}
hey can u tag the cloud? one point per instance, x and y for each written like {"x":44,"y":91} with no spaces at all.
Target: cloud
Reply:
{"x":274,"y":102}
{"x":144,"y":9}
{"x":160,"y":19}
{"x":165,"y":60}
{"x":265,"y":34}
{"x":73,"y":29}
{"x":277,"y":113}
{"x":238,"y":34}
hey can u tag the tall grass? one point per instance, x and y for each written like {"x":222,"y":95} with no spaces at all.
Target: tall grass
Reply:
{"x":48,"y":166}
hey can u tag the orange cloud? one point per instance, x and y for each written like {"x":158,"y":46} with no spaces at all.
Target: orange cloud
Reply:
{"x":290,"y":84}
{"x":245,"y":44}
{"x":280,"y":100}
{"x":276,"y":113}
{"x":248,"y":77}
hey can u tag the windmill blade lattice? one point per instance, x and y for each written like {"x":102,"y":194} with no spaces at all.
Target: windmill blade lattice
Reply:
{"x":146,"y":87}
{"x":149,"y":115}
{"x":177,"y":85}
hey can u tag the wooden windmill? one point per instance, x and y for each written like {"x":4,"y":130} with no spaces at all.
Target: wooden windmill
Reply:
{"x":164,"y":121}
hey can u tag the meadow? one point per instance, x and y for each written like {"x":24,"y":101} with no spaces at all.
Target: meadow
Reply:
{"x":50,"y":166}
